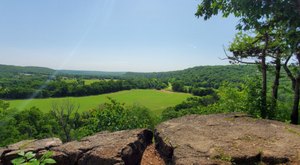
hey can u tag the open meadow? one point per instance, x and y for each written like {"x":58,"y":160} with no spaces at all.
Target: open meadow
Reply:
{"x":155,"y":100}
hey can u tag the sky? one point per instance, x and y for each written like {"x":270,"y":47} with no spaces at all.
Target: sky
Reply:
{"x":111,"y":35}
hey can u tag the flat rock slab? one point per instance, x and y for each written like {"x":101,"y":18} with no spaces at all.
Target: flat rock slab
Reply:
{"x":228,"y":139}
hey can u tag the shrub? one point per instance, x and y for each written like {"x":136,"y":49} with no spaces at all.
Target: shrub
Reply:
{"x":114,"y":116}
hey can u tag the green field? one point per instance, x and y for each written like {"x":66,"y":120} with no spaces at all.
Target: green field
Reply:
{"x":87,"y":81}
{"x":155,"y":100}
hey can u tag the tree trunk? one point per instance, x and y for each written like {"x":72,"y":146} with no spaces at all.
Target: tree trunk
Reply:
{"x":295,"y":86}
{"x":289,"y":73}
{"x":264,"y":78}
{"x":275,"y":86}
{"x":294,"y":115}
{"x":264,"y":88}
{"x":67,"y":134}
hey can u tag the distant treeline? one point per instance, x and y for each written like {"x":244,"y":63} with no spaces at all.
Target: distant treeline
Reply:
{"x":11,"y":70}
{"x":202,"y":76}
{"x":39,"y":87}
{"x":35,"y":82}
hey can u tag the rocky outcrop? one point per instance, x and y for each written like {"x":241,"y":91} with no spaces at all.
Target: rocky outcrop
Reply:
{"x":193,"y":139}
{"x":228,"y":139}
{"x":122,"y":147}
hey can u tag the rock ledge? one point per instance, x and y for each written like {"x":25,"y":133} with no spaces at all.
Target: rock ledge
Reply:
{"x":193,"y":139}
{"x":228,"y":139}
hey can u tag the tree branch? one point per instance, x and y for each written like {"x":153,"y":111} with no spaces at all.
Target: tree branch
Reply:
{"x":288,"y":72}
{"x":235,"y":59}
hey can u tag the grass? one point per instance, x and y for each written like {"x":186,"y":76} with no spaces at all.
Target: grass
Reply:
{"x":155,"y":100}
{"x":90,"y":81}
{"x":87,"y":81}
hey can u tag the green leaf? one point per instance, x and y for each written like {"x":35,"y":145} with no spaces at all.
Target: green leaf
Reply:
{"x":35,"y":163}
{"x":47,"y":155}
{"x":18,"y":161}
{"x":22,"y":153}
{"x":29,"y":155}
{"x":49,"y":161}
{"x":33,"y":160}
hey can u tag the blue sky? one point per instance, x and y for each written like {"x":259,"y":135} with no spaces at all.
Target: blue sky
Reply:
{"x":111,"y":35}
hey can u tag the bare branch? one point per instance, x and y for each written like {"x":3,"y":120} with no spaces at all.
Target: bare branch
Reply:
{"x":62,"y":112}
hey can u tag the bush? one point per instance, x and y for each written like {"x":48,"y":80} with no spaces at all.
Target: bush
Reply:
{"x":116,"y":116}
{"x":202,"y":91}
{"x":192,"y":105}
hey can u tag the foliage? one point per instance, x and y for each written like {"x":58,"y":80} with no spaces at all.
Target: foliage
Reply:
{"x":26,"y":124}
{"x":202,"y":91}
{"x":252,"y":13}
{"x":252,"y":91}
{"x":201,"y":76}
{"x":66,"y":123}
{"x":274,"y":28}
{"x":29,"y":158}
{"x":178,"y":86}
{"x":232,"y":98}
{"x":42,"y":88}
{"x":192,"y":105}
{"x":115,"y":116}
{"x":229,"y":97}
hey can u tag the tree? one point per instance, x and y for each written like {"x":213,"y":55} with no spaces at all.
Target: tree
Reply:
{"x":254,"y":15}
{"x":257,"y":48}
{"x":279,"y":51}
{"x":64,"y":113}
{"x":245,"y":47}
{"x":115,"y":116}
{"x":3,"y":106}
{"x":295,"y":78}
{"x":177,"y":86}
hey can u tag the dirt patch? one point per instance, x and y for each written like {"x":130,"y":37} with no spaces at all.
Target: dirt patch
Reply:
{"x":152,"y":157}
{"x":166,"y":91}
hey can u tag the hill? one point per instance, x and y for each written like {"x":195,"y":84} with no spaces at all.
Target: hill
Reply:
{"x":89,"y":73}
{"x":25,"y":69}
{"x":12,"y":69}
{"x":202,"y":76}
